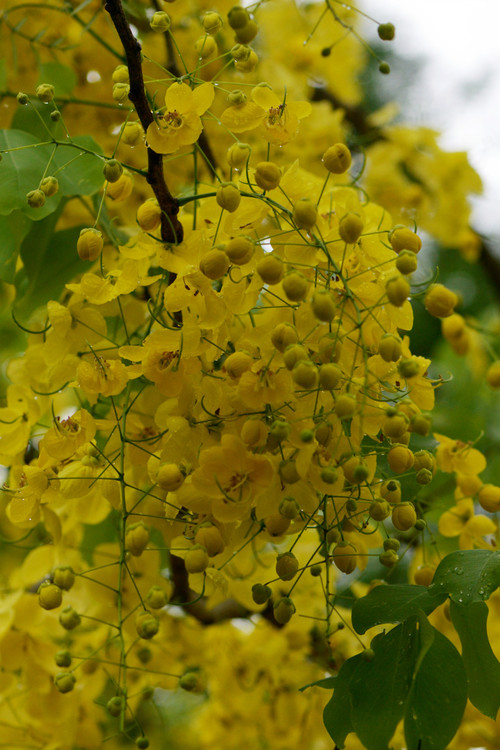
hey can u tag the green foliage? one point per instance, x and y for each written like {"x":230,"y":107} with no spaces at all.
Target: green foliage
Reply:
{"x":393,"y":604}
{"x":468,"y":576}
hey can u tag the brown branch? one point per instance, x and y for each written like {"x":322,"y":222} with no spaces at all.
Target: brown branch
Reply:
{"x":171,"y":228}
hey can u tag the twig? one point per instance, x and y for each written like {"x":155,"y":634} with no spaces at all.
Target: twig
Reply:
{"x":171,"y":228}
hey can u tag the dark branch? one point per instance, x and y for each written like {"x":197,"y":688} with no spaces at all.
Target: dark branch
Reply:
{"x":171,"y":228}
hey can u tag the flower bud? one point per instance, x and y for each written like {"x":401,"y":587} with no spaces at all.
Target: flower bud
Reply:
{"x":391,"y":491}
{"x":329,"y":475}
{"x":90,"y":244}
{"x":214,"y":264}
{"x":254,"y":433}
{"x":212,"y":22}
{"x":45,"y":92}
{"x":238,"y":155}
{"x":276,"y":525}
{"x":423,"y":476}
{"x":404,"y":516}
{"x":270,"y":269}
{"x":379,"y":510}
{"x":440,"y":301}
{"x":329,"y":376}
{"x":55,"y":115}
{"x":323,"y":305}
{"x":238,"y":17}
{"x":241,"y":53}
{"x":389,"y":558}
{"x":64,"y":682}
{"x":149,"y":215}
{"x":330,"y":347}
{"x":402,"y":238}
{"x":69,"y":618}
{"x":493,"y":375}
{"x":350,"y":228}
{"x":146,"y":625}
{"x":390,"y":347}
{"x":397,"y":290}
{"x":115,"y":705}
{"x":345,"y":406}
{"x":305,"y":374}
{"x":489,"y":498}
{"x":136,"y":538}
{"x":337,"y":159}
{"x":384,"y":68}
{"x":35,"y":198}
{"x":295,"y":286}
{"x":283,"y":610}
{"x":406,"y":262}
{"x":22,"y":98}
{"x":287,"y":566}
{"x":49,"y":595}
{"x":64,"y":577}
{"x":288,"y":471}
{"x":196,"y":560}
{"x":228,"y":196}
{"x":395,"y":426}
{"x":142,"y":743}
{"x":237,"y":363}
{"x":289,"y":508}
{"x":400,"y":459}
{"x":120,"y":92}
{"x":267,"y":175}
{"x":392,"y":543}
{"x":49,"y":186}
{"x":305,"y":214}
{"x":408,"y":368}
{"x":345,"y":557}
{"x":157,"y":597}
{"x":424,"y":460}
{"x":239,"y":250}
{"x":121,"y":189}
{"x":261,"y":593}
{"x":160,"y":22}
{"x":206,"y":46}
{"x":386,"y":31}
{"x":63,"y":658}
{"x":120,"y":74}
{"x":192,"y":681}
{"x":112,"y":170}
{"x":246,"y":33}
{"x":209,"y":536}
{"x":169,"y":477}
{"x":424,"y":575}
{"x":283,"y":336}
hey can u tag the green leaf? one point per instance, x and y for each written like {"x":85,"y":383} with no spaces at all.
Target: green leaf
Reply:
{"x":468,"y":576}
{"x":481,"y":664}
{"x":62,"y":78}
{"x":50,"y":261}
{"x":379,"y":688}
{"x":438,"y":695}
{"x":78,"y":173}
{"x":393,"y":604}
{"x":35,"y":119}
{"x":13,"y":229}
{"x":337,"y":712}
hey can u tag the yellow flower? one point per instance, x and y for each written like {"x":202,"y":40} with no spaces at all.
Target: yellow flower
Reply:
{"x":16,"y":420}
{"x":460,"y":521}
{"x":278,"y":119}
{"x":456,"y":456}
{"x":180,"y":124}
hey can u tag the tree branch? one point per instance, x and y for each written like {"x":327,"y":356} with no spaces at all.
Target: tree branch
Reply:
{"x":171,"y":228}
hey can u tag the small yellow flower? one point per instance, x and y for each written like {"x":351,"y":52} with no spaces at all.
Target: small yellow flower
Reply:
{"x":180,"y":123}
{"x":278,"y":119}
{"x":460,"y":521}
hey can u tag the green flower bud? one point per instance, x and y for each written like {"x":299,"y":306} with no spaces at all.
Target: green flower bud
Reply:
{"x":69,"y":618}
{"x":261,"y":593}
{"x":45,"y":92}
{"x":35,"y":198}
{"x":160,"y":22}
{"x":112,"y":170}
{"x":65,"y":681}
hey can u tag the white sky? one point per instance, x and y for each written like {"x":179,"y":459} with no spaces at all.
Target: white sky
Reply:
{"x":458,"y":90}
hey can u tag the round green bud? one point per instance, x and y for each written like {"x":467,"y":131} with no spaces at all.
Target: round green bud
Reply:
{"x":424,"y":476}
{"x":49,"y":186}
{"x":63,"y":658}
{"x":389,"y":558}
{"x":246,"y":33}
{"x":22,"y":98}
{"x":69,"y":618}
{"x":160,"y":22}
{"x":212,"y":22}
{"x":49,"y":596}
{"x":64,"y":577}
{"x":407,"y":262}
{"x":55,"y":115}
{"x":384,"y":68}
{"x":238,"y":17}
{"x":420,"y":524}
{"x":306,"y":436}
{"x":115,"y":705}
{"x":65,"y":681}
{"x":112,"y":170}
{"x":391,"y":543}
{"x":305,"y":214}
{"x":147,"y":625}
{"x":284,"y":609}
{"x":315,"y":570}
{"x":45,"y":92}
{"x":337,"y":159}
{"x":35,"y":198}
{"x":142,"y":743}
{"x":261,"y":593}
{"x":386,"y":31}
{"x":287,"y":566}
{"x":289,"y":508}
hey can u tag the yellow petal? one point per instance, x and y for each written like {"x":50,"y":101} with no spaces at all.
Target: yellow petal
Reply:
{"x":266,"y":98}
{"x":245,"y":117}
{"x":299,"y":109}
{"x":203,"y":97}
{"x":179,"y":98}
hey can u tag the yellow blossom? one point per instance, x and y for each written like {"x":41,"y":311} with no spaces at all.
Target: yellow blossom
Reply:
{"x":179,"y":124}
